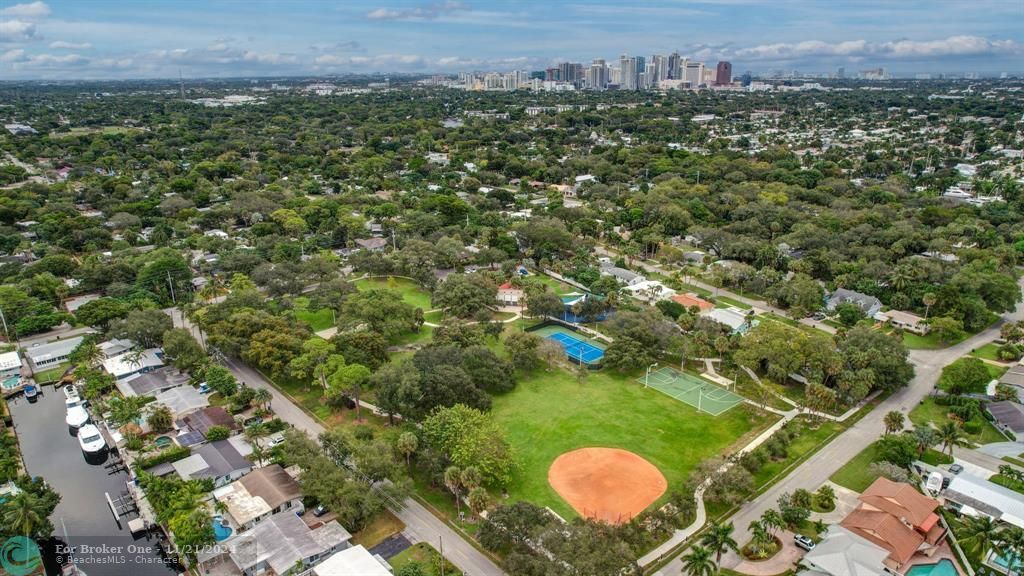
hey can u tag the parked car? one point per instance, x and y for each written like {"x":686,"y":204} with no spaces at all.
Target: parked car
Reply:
{"x":275,"y":439}
{"x":956,"y":468}
{"x":320,"y":510}
{"x":251,"y":421}
{"x":803,"y":542}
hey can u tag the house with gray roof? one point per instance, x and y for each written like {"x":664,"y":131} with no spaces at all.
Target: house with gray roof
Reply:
{"x":627,"y":277}
{"x":869,"y":305}
{"x":281,"y":544}
{"x":51,"y":354}
{"x":973,"y":496}
{"x":843,"y":553}
{"x":217,"y":460}
{"x":1008,"y":416}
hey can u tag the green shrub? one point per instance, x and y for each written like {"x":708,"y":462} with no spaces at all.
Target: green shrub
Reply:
{"x":169,"y":455}
{"x":214,"y":433}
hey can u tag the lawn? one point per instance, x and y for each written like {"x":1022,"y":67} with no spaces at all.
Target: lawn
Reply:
{"x":927,"y":342}
{"x":412,"y":293}
{"x":989,"y":351}
{"x":856,"y":474}
{"x":550,"y":413}
{"x":383,"y":526}
{"x":318,"y":320}
{"x":731,"y":302}
{"x":557,"y":286}
{"x":928,"y":412}
{"x":50,"y":374}
{"x":809,"y":436}
{"x":1007,"y":482}
{"x":426,"y":556}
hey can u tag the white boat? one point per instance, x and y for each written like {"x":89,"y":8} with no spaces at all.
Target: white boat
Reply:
{"x":76,"y":417}
{"x":71,"y":393}
{"x":90,"y":439}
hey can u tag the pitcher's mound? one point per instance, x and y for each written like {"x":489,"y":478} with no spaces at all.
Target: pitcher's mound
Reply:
{"x":606,"y":483}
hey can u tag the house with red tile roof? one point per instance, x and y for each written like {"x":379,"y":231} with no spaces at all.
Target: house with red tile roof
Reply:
{"x":898,"y":518}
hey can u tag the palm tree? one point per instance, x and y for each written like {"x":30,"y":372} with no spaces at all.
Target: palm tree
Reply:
{"x":698,"y":562}
{"x":453,"y":481}
{"x":893,"y":421}
{"x":263,"y":397}
{"x":826,"y":496}
{"x":479,"y":500}
{"x":925,"y":437}
{"x":718,"y":539}
{"x":470,"y":478}
{"x":772,"y":520}
{"x":951,"y":435}
{"x":979,"y":534}
{"x":1010,"y":545}
{"x":253,"y":433}
{"x":929,"y":300}
{"x":24,"y":514}
{"x":407,"y":444}
{"x":760,"y":539}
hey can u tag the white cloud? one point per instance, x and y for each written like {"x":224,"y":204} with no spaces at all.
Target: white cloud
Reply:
{"x":375,"y":62}
{"x":15,"y":55}
{"x":30,"y":10}
{"x":62,"y":45}
{"x":425,"y":12}
{"x":55,"y":60}
{"x":899,"y":49}
{"x":16,"y":30}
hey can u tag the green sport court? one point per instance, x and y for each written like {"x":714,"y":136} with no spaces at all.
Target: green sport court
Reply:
{"x":689,"y":389}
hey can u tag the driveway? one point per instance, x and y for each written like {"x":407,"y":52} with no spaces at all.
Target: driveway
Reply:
{"x":784,"y":560}
{"x":1000,"y":449}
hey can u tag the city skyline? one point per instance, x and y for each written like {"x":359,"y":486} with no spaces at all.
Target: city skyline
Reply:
{"x":65,"y":40}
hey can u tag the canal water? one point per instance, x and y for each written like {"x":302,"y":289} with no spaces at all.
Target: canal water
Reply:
{"x":51,"y":450}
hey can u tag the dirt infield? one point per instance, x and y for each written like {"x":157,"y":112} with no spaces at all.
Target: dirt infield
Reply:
{"x":606,"y":483}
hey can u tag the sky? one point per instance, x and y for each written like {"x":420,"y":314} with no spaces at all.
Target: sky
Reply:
{"x":100,"y":39}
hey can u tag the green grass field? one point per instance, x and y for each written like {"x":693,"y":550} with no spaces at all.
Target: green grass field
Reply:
{"x":929,"y":413}
{"x":411,"y":292}
{"x":856,"y":474}
{"x":50,"y":374}
{"x":424,"y":555}
{"x":926,"y":342}
{"x":317,"y":319}
{"x":989,"y":351}
{"x":732,"y":302}
{"x":550,"y":413}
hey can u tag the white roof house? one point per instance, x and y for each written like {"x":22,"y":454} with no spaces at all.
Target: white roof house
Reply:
{"x":649,"y":290}
{"x":126,"y":364}
{"x":355,"y":560}
{"x":974,"y":496}
{"x":182,"y":400}
{"x":10,"y":364}
{"x":843,"y":553}
{"x":735,"y":319}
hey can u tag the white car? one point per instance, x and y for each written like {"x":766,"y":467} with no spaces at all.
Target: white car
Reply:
{"x":76,"y":417}
{"x":90,"y":439}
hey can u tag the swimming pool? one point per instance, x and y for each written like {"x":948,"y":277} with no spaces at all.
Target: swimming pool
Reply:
{"x":943,"y":567}
{"x":1003,"y":562}
{"x":11,"y":383}
{"x":221,"y":531}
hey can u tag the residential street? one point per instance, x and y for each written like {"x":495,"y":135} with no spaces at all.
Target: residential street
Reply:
{"x":816,"y":470}
{"x":420,"y":524}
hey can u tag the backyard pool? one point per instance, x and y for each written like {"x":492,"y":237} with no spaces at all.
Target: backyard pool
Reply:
{"x":944,"y":567}
{"x":11,"y":383}
{"x":221,"y":530}
{"x":1004,"y":563}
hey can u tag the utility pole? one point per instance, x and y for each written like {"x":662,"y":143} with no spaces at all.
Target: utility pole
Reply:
{"x":440,"y":540}
{"x":171,"y":284}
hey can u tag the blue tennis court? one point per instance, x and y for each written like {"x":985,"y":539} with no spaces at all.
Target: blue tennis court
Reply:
{"x":577,"y":349}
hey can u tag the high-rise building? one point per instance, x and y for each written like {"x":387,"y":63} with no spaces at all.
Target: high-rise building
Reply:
{"x":674,"y":66}
{"x":723,"y":75}
{"x":551,"y":75}
{"x":693,"y":73}
{"x":570,"y":72}
{"x":627,"y":72}
{"x":597,"y":75}
{"x":660,"y":64}
{"x":841,"y":73}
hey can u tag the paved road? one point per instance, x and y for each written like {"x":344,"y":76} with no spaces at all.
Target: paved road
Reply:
{"x":817,"y":469}
{"x":420,"y":524}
